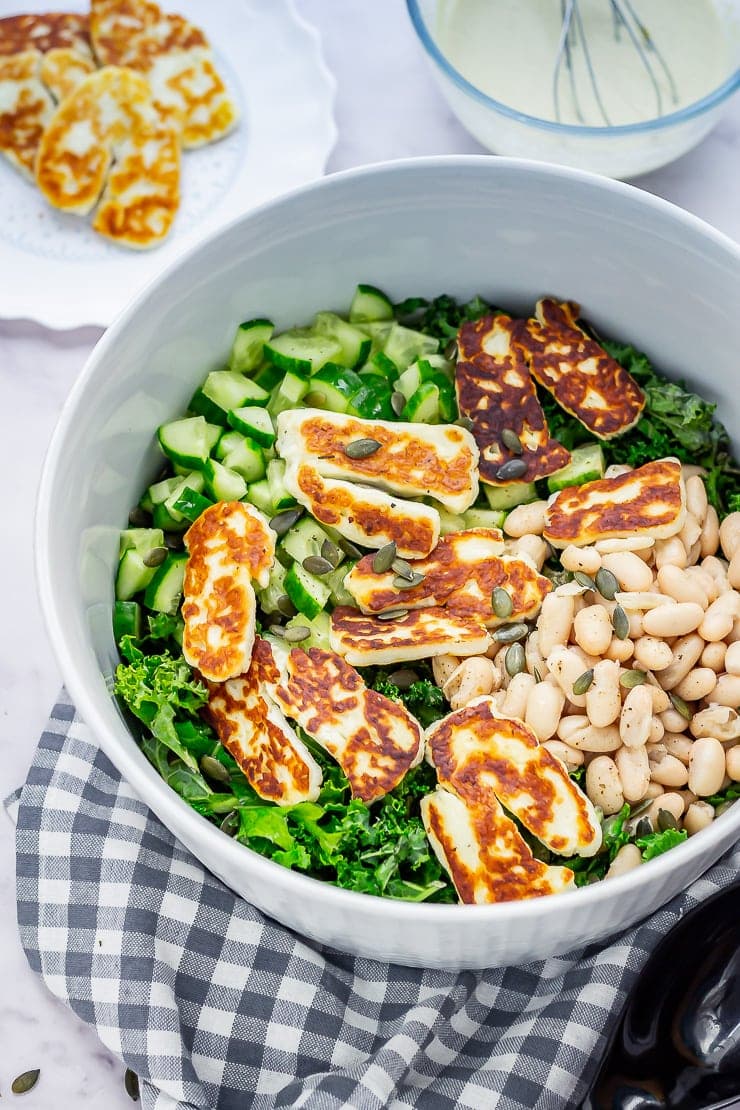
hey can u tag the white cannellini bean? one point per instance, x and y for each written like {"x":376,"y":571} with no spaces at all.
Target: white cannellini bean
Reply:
{"x":717,"y":570}
{"x":686,"y":654}
{"x":697,"y":684}
{"x":615,"y":469}
{"x":733,"y":572}
{"x":718,"y":720}
{"x":732,"y":658}
{"x":634,"y":772}
{"x":585,"y":559}
{"x":710,"y":532}
{"x":688,"y":470}
{"x":670,"y":771}
{"x":729,"y":535}
{"x":603,"y":784}
{"x":661,"y":701}
{"x":571,"y":757}
{"x":653,"y":654}
{"x":673,"y":620}
{"x":627,"y":859}
{"x":595,"y":740}
{"x":715,"y":656}
{"x":678,"y":744}
{"x":533,"y":655}
{"x":517,"y":695}
{"x":619,"y":651}
{"x":670,"y":551}
{"x":706,"y":766}
{"x":727,"y":691}
{"x":472,"y":679}
{"x":732,"y":758}
{"x":641,"y":600}
{"x":679,"y":585}
{"x":636,"y":628}
{"x":554,"y":622}
{"x":654,"y":790}
{"x":443,"y":667}
{"x":570,"y":725}
{"x":544,"y":707}
{"x":636,"y":717}
{"x":603,"y":699}
{"x":691,"y":534}
{"x":657,"y":730}
{"x":625,"y":543}
{"x":670,"y":801}
{"x":566,"y":664}
{"x":696,"y":497}
{"x":526,"y":520}
{"x":698,"y":816}
{"x":673,"y":721}
{"x":720,"y":617}
{"x":632,"y":572}
{"x":593,"y":629}
{"x":532,"y":547}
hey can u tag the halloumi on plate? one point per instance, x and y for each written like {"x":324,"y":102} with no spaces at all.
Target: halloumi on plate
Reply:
{"x":26,"y":107}
{"x":460,"y":574}
{"x":495,"y":390}
{"x":45,"y":31}
{"x":584,"y":380}
{"x":649,"y":501}
{"x":366,"y":641}
{"x":252,"y":727}
{"x":413,"y":460}
{"x":374,"y":740}
{"x":230,"y":546}
{"x":63,"y":68}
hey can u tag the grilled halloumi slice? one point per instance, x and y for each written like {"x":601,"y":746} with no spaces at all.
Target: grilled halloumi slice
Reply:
{"x":584,"y":380}
{"x":484,"y":853}
{"x":366,"y":641}
{"x":374,"y":740}
{"x":230,"y":546}
{"x":26,"y":107}
{"x":647,"y":501}
{"x":480,"y":755}
{"x":460,"y":574}
{"x":413,"y":460}
{"x":44,"y":32}
{"x":254,"y":730}
{"x":495,"y":390}
{"x":369,"y":517}
{"x":176,"y":58}
{"x":63,"y":69}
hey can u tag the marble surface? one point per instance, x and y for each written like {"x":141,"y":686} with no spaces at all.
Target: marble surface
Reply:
{"x":387,"y":107}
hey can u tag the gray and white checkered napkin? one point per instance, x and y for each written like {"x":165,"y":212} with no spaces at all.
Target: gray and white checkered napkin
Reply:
{"x":216,"y":1007}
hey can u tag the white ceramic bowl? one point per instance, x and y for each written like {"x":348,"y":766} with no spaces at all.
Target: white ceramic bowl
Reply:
{"x":621,"y":152}
{"x":509,"y":230}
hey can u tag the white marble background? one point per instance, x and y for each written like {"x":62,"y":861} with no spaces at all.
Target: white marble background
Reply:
{"x":387,"y":107}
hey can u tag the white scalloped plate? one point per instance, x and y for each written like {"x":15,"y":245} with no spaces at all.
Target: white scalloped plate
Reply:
{"x":57,"y":271}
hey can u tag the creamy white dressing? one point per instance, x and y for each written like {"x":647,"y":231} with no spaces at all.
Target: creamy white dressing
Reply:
{"x":507,"y":48}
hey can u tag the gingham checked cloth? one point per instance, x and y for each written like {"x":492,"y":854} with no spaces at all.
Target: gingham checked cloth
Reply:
{"x":216,"y":1007}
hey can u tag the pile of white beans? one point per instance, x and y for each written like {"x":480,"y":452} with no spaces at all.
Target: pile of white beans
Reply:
{"x":682,"y":600}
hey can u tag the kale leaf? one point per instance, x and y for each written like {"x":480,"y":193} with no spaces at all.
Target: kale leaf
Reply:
{"x":654,"y":844}
{"x":442,"y":316}
{"x":423,"y":699}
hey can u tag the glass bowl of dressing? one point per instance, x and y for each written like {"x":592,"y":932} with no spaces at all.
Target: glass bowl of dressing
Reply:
{"x":495,"y":60}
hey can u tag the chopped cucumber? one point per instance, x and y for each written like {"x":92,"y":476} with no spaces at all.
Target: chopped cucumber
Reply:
{"x":275,"y":589}
{"x":248,"y":459}
{"x":188,"y":442}
{"x":160,"y":491}
{"x":404,"y":345}
{"x":126,"y":620}
{"x":483,"y":518}
{"x":308,"y":593}
{"x":268,"y":376}
{"x":510,"y":495}
{"x":132,"y":575}
{"x":281,"y":499}
{"x":586,"y":465}
{"x":164,"y":592}
{"x":288,"y":394}
{"x":142,"y":540}
{"x":450,"y":522}
{"x":223,"y":484}
{"x":340,"y":595}
{"x":378,"y":331}
{"x":260,"y":495}
{"x":249,"y":341}
{"x":224,"y":390}
{"x":409,"y":381}
{"x":193,"y":482}
{"x":332,"y":387}
{"x":302,"y":352}
{"x":447,"y":399}
{"x":164,"y":520}
{"x":227,"y":443}
{"x":368,"y":305}
{"x":353,"y":343}
{"x":423,"y":405}
{"x":372,"y":401}
{"x":255,"y":423}
{"x":319,"y":627}
{"x":305,"y":538}
{"x":190,"y":504}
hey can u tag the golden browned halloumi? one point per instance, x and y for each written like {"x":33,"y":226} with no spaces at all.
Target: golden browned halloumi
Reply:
{"x":484,"y":853}
{"x":230,"y":546}
{"x":45,"y":31}
{"x":374,"y":740}
{"x":480,"y":755}
{"x":176,"y":58}
{"x":63,"y":68}
{"x":26,"y":107}
{"x":584,"y":380}
{"x":413,"y":460}
{"x":495,"y":390}
{"x":647,"y":501}
{"x":460,"y":574}
{"x":254,"y":730}
{"x":365,"y":640}
{"x":370,"y":517}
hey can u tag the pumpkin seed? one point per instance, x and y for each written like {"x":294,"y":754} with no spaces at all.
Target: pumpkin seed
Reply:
{"x":666,"y":820}
{"x":402,"y":568}
{"x":349,"y":549}
{"x":450,"y":351}
{"x":404,"y":583}
{"x":131,"y":1083}
{"x":584,"y":580}
{"x":362,"y":448}
{"x":511,"y":470}
{"x":465,"y":422}
{"x":277,"y":630}
{"x":644,"y":827}
{"x":514,"y":659}
{"x":331,"y":553}
{"x":537,"y":674}
{"x":384,"y":558}
{"x":25,"y":1082}
{"x":317,"y":564}
{"x":313,"y":400}
{"x":620,"y":623}
{"x":297,"y":633}
{"x":213,"y":769}
{"x":501,"y":602}
{"x":404,"y":678}
{"x":286,"y":606}
{"x":230,"y":823}
{"x":606,"y":583}
{"x":680,"y":706}
{"x":284,"y":521}
{"x":510,"y":439}
{"x":630,"y":679}
{"x":392,"y":615}
{"x":137,"y":518}
{"x":398,"y":402}
{"x":583,"y":683}
{"x":155,"y":557}
{"x":173,"y":541}
{"x":510,"y":633}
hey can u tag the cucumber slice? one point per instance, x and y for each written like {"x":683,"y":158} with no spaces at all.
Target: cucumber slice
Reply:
{"x":447,"y":399}
{"x":224,"y":390}
{"x":142,"y":540}
{"x":255,"y":423}
{"x":164,"y":519}
{"x":223,"y":484}
{"x":368,"y":305}
{"x":132,"y":575}
{"x":372,"y":401}
{"x":305,"y":538}
{"x":378,"y":331}
{"x":319,"y":628}
{"x":288,"y":394}
{"x":354,"y":344}
{"x":308,"y":593}
{"x":164,"y":592}
{"x":409,"y":381}
{"x":193,"y":482}
{"x":249,"y":341}
{"x":260,"y":496}
{"x":227,"y":443}
{"x":483,"y":518}
{"x":509,"y":496}
{"x":340,"y":595}
{"x":450,"y":522}
{"x":586,"y":465}
{"x":188,"y":442}
{"x":281,"y":499}
{"x":404,"y":345}
{"x":268,"y":376}
{"x":126,"y":620}
{"x":275,"y":589}
{"x":423,"y":405}
{"x":247,"y":459}
{"x":302,"y":352}
{"x":332,"y":387}
{"x":190,"y":504}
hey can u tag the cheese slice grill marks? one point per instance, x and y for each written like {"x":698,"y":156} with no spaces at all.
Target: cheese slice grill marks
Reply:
{"x":25,"y":109}
{"x":44,"y":32}
{"x":366,"y":641}
{"x":63,"y":69}
{"x":495,"y":390}
{"x":584,"y":380}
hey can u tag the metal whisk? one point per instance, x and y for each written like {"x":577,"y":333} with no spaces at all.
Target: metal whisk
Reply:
{"x":573,"y":39}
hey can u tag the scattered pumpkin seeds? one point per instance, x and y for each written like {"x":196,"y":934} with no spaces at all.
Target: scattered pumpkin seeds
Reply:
{"x":214,"y":769}
{"x":402,"y":568}
{"x":404,"y":678}
{"x":392,"y":615}
{"x":313,"y":400}
{"x":137,"y":518}
{"x":666,"y":820}
{"x":155,"y":557}
{"x":584,"y":580}
{"x":511,"y":470}
{"x":514,"y":659}
{"x":403,"y":583}
{"x":583,"y":683}
{"x":317,"y":564}
{"x":285,"y":520}
{"x":510,"y":633}
{"x":349,"y":549}
{"x":680,"y":705}
{"x":25,"y":1082}
{"x":286,"y":606}
{"x":277,"y":630}
{"x":331,"y":553}
{"x":398,"y":402}
{"x":297,"y":633}
{"x":131,"y":1083}
{"x":606,"y":583}
{"x":620,"y":623}
{"x":173,"y":541}
{"x":510,"y":439}
{"x":465,"y":422}
{"x":450,"y":351}
{"x":230,"y":823}
{"x":644,"y":827}
{"x":630,"y":679}
{"x":501,"y":602}
{"x":384,"y":558}
{"x":362,"y":448}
